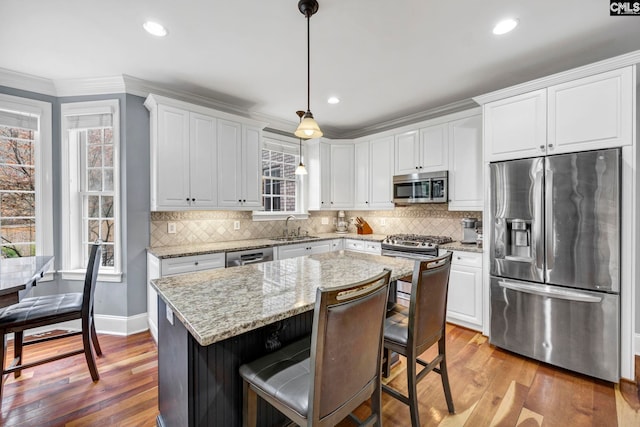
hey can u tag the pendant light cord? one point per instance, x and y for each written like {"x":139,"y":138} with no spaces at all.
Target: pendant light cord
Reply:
{"x":308,"y":63}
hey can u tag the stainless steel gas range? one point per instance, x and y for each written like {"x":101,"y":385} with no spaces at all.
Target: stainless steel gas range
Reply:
{"x":412,"y":246}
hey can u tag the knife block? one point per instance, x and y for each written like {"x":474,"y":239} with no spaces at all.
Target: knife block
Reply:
{"x":365,"y":229}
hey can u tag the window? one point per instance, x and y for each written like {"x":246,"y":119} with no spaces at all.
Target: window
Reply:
{"x":90,"y":141}
{"x":26,"y":220}
{"x":280,"y":192}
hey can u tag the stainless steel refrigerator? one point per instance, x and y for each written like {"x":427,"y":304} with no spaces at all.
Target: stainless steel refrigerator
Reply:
{"x":555,"y":260}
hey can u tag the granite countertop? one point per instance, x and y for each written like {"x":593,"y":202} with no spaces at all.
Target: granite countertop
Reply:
{"x":218,"y":304}
{"x":239,"y":245}
{"x":465,"y":247}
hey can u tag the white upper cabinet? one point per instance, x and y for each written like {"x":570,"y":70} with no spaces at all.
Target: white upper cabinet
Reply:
{"x":342,"y":176}
{"x":434,"y":148}
{"x":407,"y":153}
{"x":381,"y":173}
{"x":591,"y":113}
{"x":465,"y":164}
{"x":202,"y":158}
{"x":362,"y":175}
{"x":516,"y":127}
{"x":588,"y":113}
{"x":182,"y":151}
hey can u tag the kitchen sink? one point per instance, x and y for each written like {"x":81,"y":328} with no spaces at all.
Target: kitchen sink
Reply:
{"x":293,"y":238}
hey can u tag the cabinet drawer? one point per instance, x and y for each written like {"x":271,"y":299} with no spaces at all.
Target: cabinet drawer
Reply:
{"x":189,"y":264}
{"x":373,"y":247}
{"x":469,"y":259}
{"x":354,"y":245}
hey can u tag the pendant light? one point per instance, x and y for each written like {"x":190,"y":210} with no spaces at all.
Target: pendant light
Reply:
{"x":308,"y":127}
{"x":300,"y":170}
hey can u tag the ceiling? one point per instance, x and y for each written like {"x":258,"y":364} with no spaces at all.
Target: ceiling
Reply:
{"x":383,"y":61}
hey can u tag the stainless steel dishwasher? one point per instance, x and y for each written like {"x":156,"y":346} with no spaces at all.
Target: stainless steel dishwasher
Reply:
{"x":249,"y":256}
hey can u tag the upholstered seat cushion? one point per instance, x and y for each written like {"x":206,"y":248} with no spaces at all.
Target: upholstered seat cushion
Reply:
{"x":284,"y":374}
{"x":40,"y":308}
{"x":396,"y":325}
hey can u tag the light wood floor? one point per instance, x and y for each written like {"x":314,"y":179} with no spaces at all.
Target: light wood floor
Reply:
{"x":490,"y":387}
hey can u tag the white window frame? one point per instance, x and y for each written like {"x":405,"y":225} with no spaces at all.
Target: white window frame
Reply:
{"x":43,"y":172}
{"x":290,"y":145}
{"x":73,"y":266}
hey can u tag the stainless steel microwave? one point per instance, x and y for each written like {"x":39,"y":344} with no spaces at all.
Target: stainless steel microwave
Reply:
{"x":426,"y":187}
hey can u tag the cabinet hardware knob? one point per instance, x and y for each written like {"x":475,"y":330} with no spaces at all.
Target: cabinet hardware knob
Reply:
{"x":187,"y":199}
{"x":193,"y":200}
{"x":542,"y":147}
{"x":244,"y":200}
{"x":196,"y":262}
{"x":550,"y":145}
{"x":416,"y":167}
{"x":239,"y":200}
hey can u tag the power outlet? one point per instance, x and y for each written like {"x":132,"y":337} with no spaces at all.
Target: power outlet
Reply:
{"x":383,"y":221}
{"x":236,"y":225}
{"x":325,"y":220}
{"x":171,"y":227}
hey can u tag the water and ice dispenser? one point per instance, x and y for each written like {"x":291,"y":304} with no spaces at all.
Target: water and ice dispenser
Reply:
{"x":518,"y":235}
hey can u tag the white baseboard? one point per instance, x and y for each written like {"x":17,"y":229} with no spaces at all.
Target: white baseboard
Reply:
{"x":105,"y":324}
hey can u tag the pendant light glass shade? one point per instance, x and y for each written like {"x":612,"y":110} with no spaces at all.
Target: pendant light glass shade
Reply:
{"x":308,"y":127}
{"x":301,"y":170}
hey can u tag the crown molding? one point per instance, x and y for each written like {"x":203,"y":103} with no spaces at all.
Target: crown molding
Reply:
{"x":562,"y":77}
{"x":27,"y":82}
{"x":410,"y":119}
{"x":89,"y":86}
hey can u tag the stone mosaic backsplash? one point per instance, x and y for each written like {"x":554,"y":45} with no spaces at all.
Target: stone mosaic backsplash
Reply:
{"x":194,"y":227}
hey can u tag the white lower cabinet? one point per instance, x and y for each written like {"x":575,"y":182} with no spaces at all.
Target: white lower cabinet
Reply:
{"x":337,"y":245}
{"x":464,"y":303}
{"x":366,"y":246}
{"x":157,"y":268}
{"x":305,"y":248}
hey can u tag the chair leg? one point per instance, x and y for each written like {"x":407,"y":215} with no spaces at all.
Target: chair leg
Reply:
{"x":94,"y":338}
{"x":88,"y":350}
{"x":445,"y":377}
{"x":3,"y":348}
{"x":412,"y":388}
{"x":249,"y":406}
{"x":18,"y":340}
{"x":376,"y":404}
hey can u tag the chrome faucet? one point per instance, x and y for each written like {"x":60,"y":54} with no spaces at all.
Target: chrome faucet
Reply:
{"x":286,"y":225}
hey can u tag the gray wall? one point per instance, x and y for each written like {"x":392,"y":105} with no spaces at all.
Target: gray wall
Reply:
{"x":127,"y":298}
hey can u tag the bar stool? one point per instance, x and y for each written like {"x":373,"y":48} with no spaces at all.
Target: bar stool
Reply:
{"x":321,"y":380}
{"x":411,"y":332}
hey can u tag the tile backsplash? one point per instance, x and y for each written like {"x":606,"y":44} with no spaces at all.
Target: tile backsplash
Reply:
{"x":193,"y":227}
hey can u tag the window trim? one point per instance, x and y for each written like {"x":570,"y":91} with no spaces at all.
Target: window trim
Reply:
{"x":43,"y":172}
{"x":288,"y":144}
{"x":72,"y":234}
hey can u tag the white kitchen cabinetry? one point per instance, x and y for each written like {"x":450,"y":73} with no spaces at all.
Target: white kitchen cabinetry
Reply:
{"x":366,"y":246}
{"x":516,"y":127}
{"x":362,"y":175}
{"x":187,"y":142}
{"x":157,"y":268}
{"x":407,"y":153}
{"x":305,"y":248}
{"x":331,"y":175}
{"x":374,"y":174}
{"x":238,"y":166}
{"x":183,"y":147}
{"x":464,"y":303}
{"x":420,"y":151}
{"x":594,"y":112}
{"x":465,"y":164}
{"x":337,"y":245}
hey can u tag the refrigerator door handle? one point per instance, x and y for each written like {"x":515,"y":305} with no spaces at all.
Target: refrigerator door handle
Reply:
{"x":538,"y":223}
{"x":550,"y":292}
{"x":549,"y":222}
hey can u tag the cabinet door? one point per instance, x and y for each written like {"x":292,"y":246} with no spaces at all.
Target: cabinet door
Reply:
{"x":342,"y":176}
{"x":320,"y":247}
{"x":203,"y":152}
{"x":171,"y":174}
{"x":229,"y":164}
{"x":465,"y":165}
{"x":251,"y":168}
{"x":325,"y":176}
{"x":516,"y":127}
{"x":594,"y":112}
{"x":407,"y":153}
{"x":354,"y":245}
{"x":381,"y":174}
{"x":362,"y":174}
{"x":337,"y":244}
{"x":292,"y":251}
{"x":434,"y":148}
{"x":464,"y":303}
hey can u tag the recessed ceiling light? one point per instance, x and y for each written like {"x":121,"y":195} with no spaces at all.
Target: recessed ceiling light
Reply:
{"x":505,"y":26}
{"x":155,"y":29}
{"x":333,"y":100}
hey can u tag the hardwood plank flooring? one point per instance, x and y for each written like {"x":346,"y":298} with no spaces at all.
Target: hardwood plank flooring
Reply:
{"x":490,"y":387}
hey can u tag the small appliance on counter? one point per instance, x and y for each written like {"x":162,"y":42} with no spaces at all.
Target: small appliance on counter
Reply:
{"x":341,"y":223}
{"x":470,"y":228}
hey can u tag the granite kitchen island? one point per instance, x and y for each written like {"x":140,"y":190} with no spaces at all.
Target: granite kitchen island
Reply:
{"x":211,"y":322}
